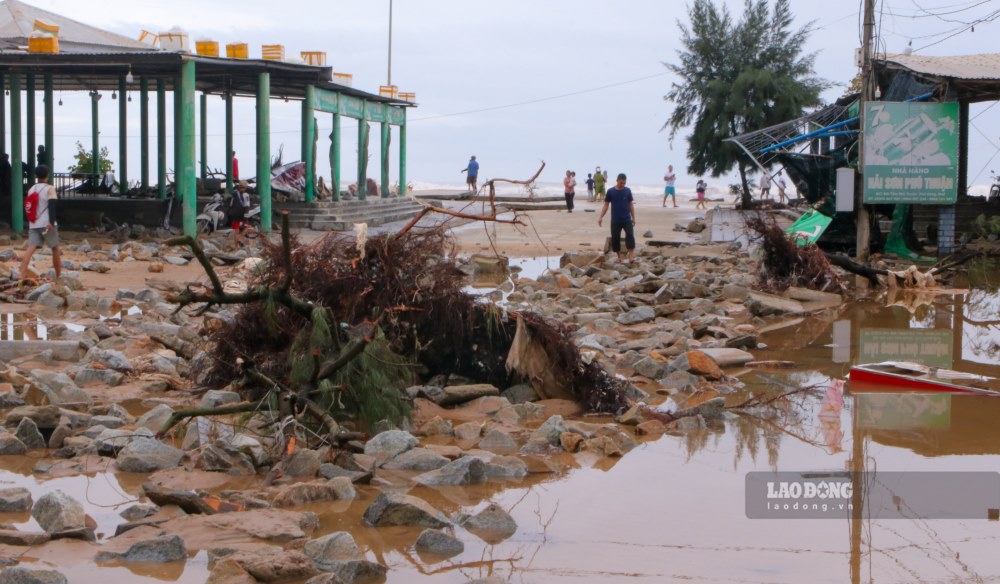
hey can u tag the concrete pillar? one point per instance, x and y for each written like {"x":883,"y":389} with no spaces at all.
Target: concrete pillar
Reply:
{"x":16,"y":170}
{"x":264,"y":149}
{"x":161,"y":138}
{"x":122,"y":135}
{"x":402,"y":155}
{"x":29,"y":95}
{"x":384,"y":151}
{"x":308,"y":141}
{"x":229,"y":142}
{"x":185,"y":174}
{"x":49,"y":124}
{"x":335,"y":157}
{"x":144,"y":130}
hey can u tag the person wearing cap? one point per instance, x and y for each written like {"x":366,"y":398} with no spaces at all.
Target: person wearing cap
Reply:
{"x":599,"y":181}
{"x":619,"y":198}
{"x":472,"y":177}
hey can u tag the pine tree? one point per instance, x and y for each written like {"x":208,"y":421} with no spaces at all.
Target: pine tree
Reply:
{"x":737,"y":77}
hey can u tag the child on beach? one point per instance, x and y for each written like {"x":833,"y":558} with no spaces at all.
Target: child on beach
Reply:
{"x":700,"y":189}
{"x":590,"y":187}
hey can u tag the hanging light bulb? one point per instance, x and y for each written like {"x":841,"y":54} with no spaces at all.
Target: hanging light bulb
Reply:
{"x":60,"y":100}
{"x":114,"y":94}
{"x":128,"y":76}
{"x":130,"y":98}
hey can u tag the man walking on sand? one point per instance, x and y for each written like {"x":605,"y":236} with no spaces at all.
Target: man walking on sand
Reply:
{"x":765,"y":185}
{"x":44,"y":229}
{"x":619,"y":198}
{"x":599,"y":180}
{"x":473,"y":174}
{"x":668,"y":191}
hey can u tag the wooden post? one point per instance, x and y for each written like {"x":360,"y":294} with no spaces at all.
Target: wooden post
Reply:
{"x":122,"y":135}
{"x":863,"y":242}
{"x":402,"y":154}
{"x":384,"y":151}
{"x":264,"y":149}
{"x":16,"y":170}
{"x":308,"y":141}
{"x":161,"y":138}
{"x":335,"y":157}
{"x":144,"y":130}
{"x":49,"y":124}
{"x":229,"y":142}
{"x":29,"y":91}
{"x":185,"y":173}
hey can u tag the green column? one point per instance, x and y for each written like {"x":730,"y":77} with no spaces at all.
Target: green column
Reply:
{"x":16,"y":184}
{"x":3,"y":117}
{"x":364,"y":136}
{"x":144,"y":130}
{"x":185,"y":173}
{"x":29,"y":91}
{"x":229,"y":142}
{"x":122,"y":135}
{"x":177,"y":134}
{"x":402,"y":155}
{"x":95,"y":145}
{"x":264,"y":149}
{"x":203,"y":150}
{"x":335,"y":157}
{"x":384,"y":149}
{"x":161,"y":138}
{"x":49,"y":124}
{"x":308,"y":140}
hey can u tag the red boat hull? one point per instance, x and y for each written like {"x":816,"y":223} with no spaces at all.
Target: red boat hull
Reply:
{"x":881,"y":380}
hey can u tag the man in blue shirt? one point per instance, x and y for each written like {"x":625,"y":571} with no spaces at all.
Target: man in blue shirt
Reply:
{"x":619,"y":198}
{"x":472,"y":177}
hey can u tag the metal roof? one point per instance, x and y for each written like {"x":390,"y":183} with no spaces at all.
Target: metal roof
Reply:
{"x":17,"y":21}
{"x":982,"y":67}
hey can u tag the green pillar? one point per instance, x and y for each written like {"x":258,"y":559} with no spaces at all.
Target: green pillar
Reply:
{"x":95,"y":145}
{"x":264,"y":149}
{"x":177,"y":134}
{"x":363,"y":154}
{"x":402,"y":155}
{"x":335,"y":157}
{"x":161,"y":138}
{"x":16,"y":184}
{"x":308,"y":141}
{"x":122,"y":135}
{"x":144,"y":130}
{"x":49,"y":124}
{"x":185,"y":177}
{"x":204,"y":138}
{"x":3,"y":117}
{"x":384,"y":149}
{"x":29,"y":91}
{"x":229,"y":142}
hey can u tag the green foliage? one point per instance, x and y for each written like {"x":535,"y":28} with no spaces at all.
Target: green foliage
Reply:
{"x":369,"y":387}
{"x":986,"y":226}
{"x":85,"y":161}
{"x":736,"y":77}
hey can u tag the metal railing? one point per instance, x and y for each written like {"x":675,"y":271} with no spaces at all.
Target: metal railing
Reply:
{"x":81,"y":184}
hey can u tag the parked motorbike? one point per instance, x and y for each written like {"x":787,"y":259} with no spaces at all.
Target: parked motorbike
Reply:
{"x":212,"y":217}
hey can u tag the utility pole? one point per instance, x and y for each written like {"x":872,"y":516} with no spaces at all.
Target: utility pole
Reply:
{"x":863,"y":243}
{"x":389,"y":80}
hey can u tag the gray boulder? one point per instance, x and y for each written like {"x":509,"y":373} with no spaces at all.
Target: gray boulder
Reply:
{"x":398,"y":509}
{"x":214,"y":398}
{"x":10,"y":445}
{"x":89,"y":375}
{"x":109,"y":358}
{"x":15,"y":500}
{"x":27,"y":432}
{"x":158,"y":550}
{"x":304,"y":463}
{"x":389,"y":444}
{"x":148,"y":455}
{"x":435,"y":541}
{"x":637,"y":315}
{"x":492,"y":524}
{"x":155,"y":418}
{"x":19,"y":575}
{"x":520,"y":393}
{"x":459,"y":394}
{"x":498,"y":441}
{"x":651,"y":368}
{"x":333,"y":547}
{"x":57,"y":511}
{"x":58,"y":388}
{"x":420,"y":459}
{"x":464,"y":471}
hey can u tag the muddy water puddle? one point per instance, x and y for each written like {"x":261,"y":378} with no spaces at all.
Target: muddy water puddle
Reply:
{"x":675,"y":508}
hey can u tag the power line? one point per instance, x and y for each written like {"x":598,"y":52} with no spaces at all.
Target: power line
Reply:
{"x":541,"y":99}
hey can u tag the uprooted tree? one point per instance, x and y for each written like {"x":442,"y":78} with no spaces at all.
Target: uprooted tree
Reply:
{"x":338,"y":328}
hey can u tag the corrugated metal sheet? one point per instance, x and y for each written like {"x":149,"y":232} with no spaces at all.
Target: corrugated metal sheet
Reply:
{"x":970,"y":67}
{"x":17,"y":20}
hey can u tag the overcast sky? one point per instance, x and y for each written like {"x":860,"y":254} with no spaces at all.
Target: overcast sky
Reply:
{"x":577,"y":83}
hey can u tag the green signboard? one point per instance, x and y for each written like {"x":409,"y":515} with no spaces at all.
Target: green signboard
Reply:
{"x":376,"y":111}
{"x":352,"y":107}
{"x":907,"y":411}
{"x":932,"y":347}
{"x":396,"y":115}
{"x":809,"y":227}
{"x":911,"y":152}
{"x":326,"y":101}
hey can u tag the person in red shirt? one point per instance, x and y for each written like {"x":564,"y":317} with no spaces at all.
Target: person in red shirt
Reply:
{"x":236,"y":168}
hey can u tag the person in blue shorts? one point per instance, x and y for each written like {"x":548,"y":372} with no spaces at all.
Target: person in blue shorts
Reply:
{"x":473,"y":174}
{"x":668,"y":191}
{"x":619,"y":199}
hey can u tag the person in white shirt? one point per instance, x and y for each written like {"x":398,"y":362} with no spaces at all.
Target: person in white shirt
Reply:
{"x":44,"y":229}
{"x":668,"y":191}
{"x":765,"y":185}
{"x":782,"y":185}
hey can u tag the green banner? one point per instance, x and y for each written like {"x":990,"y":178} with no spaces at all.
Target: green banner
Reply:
{"x":809,"y":227}
{"x":396,"y":115}
{"x":376,"y":111}
{"x":352,"y":107}
{"x":911,"y":152}
{"x":326,"y":101}
{"x":932,"y":347}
